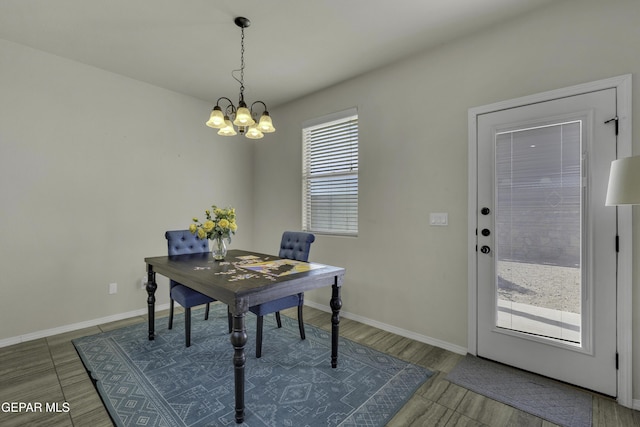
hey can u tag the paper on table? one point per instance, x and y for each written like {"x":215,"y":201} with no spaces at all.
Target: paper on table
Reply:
{"x":280,"y":267}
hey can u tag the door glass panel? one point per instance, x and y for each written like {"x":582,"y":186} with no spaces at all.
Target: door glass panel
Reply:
{"x":539,"y":230}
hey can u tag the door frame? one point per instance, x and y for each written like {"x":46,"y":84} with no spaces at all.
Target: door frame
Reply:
{"x":624,"y":319}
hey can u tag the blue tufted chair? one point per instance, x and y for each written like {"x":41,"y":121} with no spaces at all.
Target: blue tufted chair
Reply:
{"x":294,"y":245}
{"x":182,"y":242}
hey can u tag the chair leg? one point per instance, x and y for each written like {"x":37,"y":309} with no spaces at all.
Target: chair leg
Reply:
{"x":259,"y":337}
{"x":301,"y":323}
{"x":278,"y":319}
{"x":171,"y":315}
{"x":187,"y":326}
{"x":206,"y":312}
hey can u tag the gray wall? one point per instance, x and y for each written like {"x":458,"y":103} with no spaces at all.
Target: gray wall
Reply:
{"x":94,"y":167}
{"x":403,"y":274}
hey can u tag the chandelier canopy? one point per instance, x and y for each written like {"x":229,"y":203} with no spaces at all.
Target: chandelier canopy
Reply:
{"x":241,"y":116}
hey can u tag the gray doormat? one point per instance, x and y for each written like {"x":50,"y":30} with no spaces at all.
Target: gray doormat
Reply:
{"x":553,"y":401}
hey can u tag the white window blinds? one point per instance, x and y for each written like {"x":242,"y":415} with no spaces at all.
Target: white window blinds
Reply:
{"x":330,"y":175}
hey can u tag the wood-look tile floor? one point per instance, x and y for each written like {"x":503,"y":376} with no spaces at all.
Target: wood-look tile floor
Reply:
{"x":48,"y":370}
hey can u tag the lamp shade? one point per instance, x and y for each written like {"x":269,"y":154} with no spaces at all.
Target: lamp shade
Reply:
{"x":265,"y":124}
{"x":624,"y":182}
{"x":216,"y":120}
{"x":253,"y":132}
{"x":243,"y":117}
{"x":228,"y":129}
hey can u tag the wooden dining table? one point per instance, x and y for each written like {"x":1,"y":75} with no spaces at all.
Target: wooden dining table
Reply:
{"x":242,"y":280}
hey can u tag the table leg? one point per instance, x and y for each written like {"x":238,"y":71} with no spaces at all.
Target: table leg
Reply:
{"x":238,"y":340}
{"x":151,"y":300}
{"x":336,"y":305}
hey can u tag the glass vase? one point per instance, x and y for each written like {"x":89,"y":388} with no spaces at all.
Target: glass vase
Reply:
{"x":218,"y":248}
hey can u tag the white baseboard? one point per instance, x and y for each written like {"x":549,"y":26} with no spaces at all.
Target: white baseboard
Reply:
{"x":143,"y":311}
{"x":393,"y":329}
{"x":75,"y":326}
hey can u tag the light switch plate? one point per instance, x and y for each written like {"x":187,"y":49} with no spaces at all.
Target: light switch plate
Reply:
{"x":439,"y":218}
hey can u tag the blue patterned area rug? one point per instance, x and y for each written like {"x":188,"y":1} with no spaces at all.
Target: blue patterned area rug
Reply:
{"x":162,"y":383}
{"x":539,"y":396}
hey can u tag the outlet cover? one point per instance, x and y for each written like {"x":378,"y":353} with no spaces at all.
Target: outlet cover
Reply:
{"x":113,"y":288}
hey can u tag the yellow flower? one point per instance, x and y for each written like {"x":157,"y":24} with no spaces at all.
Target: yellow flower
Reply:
{"x":218,"y":222}
{"x":201,"y":233}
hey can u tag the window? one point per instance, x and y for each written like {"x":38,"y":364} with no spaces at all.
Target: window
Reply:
{"x":330,"y":174}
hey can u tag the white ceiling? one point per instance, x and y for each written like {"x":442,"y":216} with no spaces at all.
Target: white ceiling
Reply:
{"x":293,"y":47}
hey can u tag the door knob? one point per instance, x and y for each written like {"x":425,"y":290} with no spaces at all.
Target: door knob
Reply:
{"x":486,"y":232}
{"x":485,"y":249}
{"x":485,"y":211}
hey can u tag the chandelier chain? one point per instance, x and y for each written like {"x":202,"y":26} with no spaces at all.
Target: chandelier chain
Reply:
{"x":242,"y":65}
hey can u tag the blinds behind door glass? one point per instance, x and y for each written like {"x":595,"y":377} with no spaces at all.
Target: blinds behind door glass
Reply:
{"x":538,"y":189}
{"x":330,"y":177}
{"x":538,"y":230}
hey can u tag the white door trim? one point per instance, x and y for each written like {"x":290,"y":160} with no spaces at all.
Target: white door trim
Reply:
{"x":622,"y":84}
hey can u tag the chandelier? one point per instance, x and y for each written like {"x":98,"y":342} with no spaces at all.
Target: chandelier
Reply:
{"x":241,"y":116}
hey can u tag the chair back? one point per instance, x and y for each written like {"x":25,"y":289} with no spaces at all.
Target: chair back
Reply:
{"x":181,"y":242}
{"x":296,"y":245}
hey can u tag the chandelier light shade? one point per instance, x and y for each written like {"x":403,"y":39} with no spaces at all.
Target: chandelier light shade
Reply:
{"x":624,"y":182}
{"x":266,"y":125}
{"x":226,"y":116}
{"x":216,"y":120}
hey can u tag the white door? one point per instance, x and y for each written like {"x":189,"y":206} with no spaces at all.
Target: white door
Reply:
{"x":546,"y":258}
